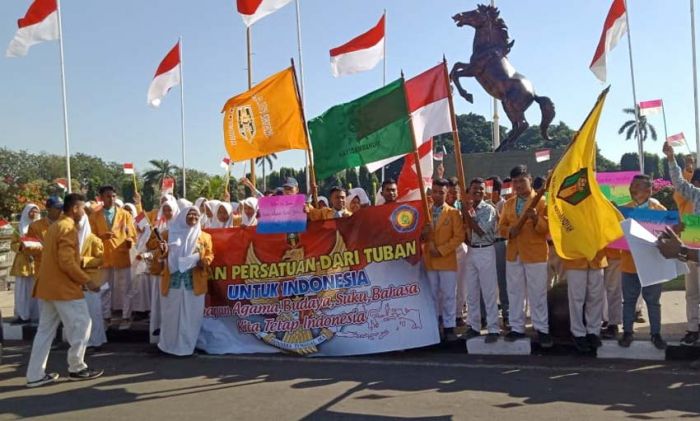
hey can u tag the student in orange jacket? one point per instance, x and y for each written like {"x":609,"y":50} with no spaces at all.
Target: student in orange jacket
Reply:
{"x":440,"y":255}
{"x":60,"y":288}
{"x":526,"y":258}
{"x":337,"y":209}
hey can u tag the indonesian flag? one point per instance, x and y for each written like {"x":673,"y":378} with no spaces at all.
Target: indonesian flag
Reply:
{"x":489,"y":186}
{"x":613,"y":30}
{"x":360,"y":53}
{"x":167,"y":76}
{"x":655,"y":106}
{"x":62,"y":183}
{"x":676,"y":140}
{"x":428,"y":102}
{"x":39,"y":24}
{"x":507,"y":188}
{"x":30,"y":242}
{"x":440,"y":154}
{"x":167,"y":186}
{"x":225,"y":162}
{"x":253,"y":10}
{"x":141,"y":221}
{"x":408,"y":184}
{"x":542,"y":156}
{"x":3,"y":223}
{"x":128,"y":168}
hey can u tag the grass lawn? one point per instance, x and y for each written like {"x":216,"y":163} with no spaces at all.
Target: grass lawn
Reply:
{"x":677,"y":284}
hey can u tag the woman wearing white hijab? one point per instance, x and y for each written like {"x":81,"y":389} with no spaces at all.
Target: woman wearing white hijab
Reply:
{"x":201,"y":204}
{"x":140,"y":296}
{"x":91,"y":253}
{"x":183,"y":203}
{"x":210,"y":207}
{"x":188,"y":252}
{"x":249,"y":213}
{"x":26,"y":307}
{"x":357,"y":199}
{"x":223,"y":216}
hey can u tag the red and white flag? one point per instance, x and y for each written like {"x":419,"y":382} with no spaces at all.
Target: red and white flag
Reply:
{"x":676,"y":140}
{"x":225,"y":162}
{"x":128,"y":168}
{"x":141,"y":221}
{"x":655,"y":106}
{"x":360,"y":53}
{"x":167,"y":76}
{"x":542,"y":156}
{"x":62,"y":183}
{"x":408,"y":184}
{"x":428,"y":102}
{"x":613,"y":30}
{"x":30,"y":242}
{"x":489,"y":186}
{"x":39,"y":24}
{"x":167,"y":186}
{"x":507,"y":188}
{"x":3,"y":223}
{"x":253,"y":10}
{"x":439,"y":155}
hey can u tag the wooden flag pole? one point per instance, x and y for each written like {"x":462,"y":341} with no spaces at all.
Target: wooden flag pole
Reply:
{"x":136,"y":189}
{"x":455,"y":135}
{"x":309,"y":152}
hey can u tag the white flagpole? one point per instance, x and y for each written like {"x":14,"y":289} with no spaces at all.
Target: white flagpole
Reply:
{"x":384,"y":73}
{"x":695,"y":81}
{"x":301,"y":83}
{"x":496,"y":132}
{"x":182,"y":123}
{"x":63,"y":92}
{"x":634,"y":92}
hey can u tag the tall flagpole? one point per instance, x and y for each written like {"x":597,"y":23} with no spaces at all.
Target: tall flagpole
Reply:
{"x":634,"y":92}
{"x":66,"y":136}
{"x":249,"y":46}
{"x":384,"y":73}
{"x":496,"y":128}
{"x":302,"y":92}
{"x":695,"y":80}
{"x":182,"y":124}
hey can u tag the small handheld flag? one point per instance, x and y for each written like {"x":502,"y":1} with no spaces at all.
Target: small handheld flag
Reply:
{"x":128,"y":168}
{"x":225,"y":162}
{"x":652,"y":107}
{"x":542,"y":156}
{"x":676,"y":140}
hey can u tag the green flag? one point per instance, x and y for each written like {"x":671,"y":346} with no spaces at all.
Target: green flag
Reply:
{"x":369,"y":129}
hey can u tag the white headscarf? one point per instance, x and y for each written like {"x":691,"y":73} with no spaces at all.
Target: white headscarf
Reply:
{"x":161,"y":223}
{"x":131,"y":208}
{"x":212,"y":205}
{"x":182,"y":239}
{"x":250,"y":202}
{"x":24,"y":220}
{"x":203,"y":218}
{"x":215,"y":223}
{"x":84,"y":232}
{"x":360,"y":193}
{"x":324,"y":200}
{"x":183,"y":203}
{"x":235,"y":208}
{"x":119,"y":203}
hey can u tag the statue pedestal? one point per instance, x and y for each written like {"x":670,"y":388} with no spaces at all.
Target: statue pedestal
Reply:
{"x":477,"y":346}
{"x":639,"y":350}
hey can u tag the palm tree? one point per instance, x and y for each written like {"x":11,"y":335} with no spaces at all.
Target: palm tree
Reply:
{"x":161,"y":170}
{"x":630,"y":127}
{"x":261,"y":161}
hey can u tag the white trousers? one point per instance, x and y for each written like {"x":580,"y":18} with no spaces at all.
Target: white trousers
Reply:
{"x":461,"y":279}
{"x":141,"y":299}
{"x":692,"y":297}
{"x":613,"y":292}
{"x":76,"y":322}
{"x":482,"y":280}
{"x":443,"y":288}
{"x":154,"y":321}
{"x":26,"y":306}
{"x":120,"y":292}
{"x":585,"y":289}
{"x":527,"y":280}
{"x":98,"y":337}
{"x":183,"y":313}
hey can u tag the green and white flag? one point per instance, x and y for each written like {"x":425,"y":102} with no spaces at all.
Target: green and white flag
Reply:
{"x":371,"y":128}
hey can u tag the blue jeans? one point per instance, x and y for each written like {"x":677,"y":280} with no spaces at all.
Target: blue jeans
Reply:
{"x":631,"y":287}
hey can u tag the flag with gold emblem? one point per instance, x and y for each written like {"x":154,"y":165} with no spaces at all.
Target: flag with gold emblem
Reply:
{"x":265,"y":119}
{"x":581,"y":220}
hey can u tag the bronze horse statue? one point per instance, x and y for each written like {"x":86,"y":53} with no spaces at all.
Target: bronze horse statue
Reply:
{"x":490,"y":66}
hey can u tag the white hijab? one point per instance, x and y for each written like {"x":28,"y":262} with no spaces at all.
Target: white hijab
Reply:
{"x":250,"y":202}
{"x":119,"y":203}
{"x":215,"y":223}
{"x":84,"y":232}
{"x":183,"y":203}
{"x":182,"y":239}
{"x":24,"y":220}
{"x":203,"y":218}
{"x":131,"y":208}
{"x":212,"y":205}
{"x":324,"y":200}
{"x":357,"y":192}
{"x":161,"y":223}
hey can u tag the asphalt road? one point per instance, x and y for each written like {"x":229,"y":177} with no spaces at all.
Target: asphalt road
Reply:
{"x":140,"y":384}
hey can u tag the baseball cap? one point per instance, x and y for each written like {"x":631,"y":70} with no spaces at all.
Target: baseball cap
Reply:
{"x":290,"y":182}
{"x":54,"y":202}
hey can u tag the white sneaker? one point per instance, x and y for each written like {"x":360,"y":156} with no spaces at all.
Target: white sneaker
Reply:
{"x":49,"y":378}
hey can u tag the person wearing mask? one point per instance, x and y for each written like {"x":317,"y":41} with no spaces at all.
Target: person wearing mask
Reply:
{"x":59,"y":287}
{"x":440,"y":242}
{"x":526,"y":257}
{"x":390,"y":191}
{"x":337,"y":209}
{"x":91,"y":260}
{"x":499,"y":245}
{"x":640,"y":191}
{"x":26,"y":307}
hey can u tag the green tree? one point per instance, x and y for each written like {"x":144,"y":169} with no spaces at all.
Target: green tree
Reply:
{"x":161,"y":169}
{"x":631,"y":127}
{"x":261,"y":162}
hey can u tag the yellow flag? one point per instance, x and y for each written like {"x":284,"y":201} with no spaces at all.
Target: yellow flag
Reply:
{"x":581,"y":220}
{"x":264,"y":120}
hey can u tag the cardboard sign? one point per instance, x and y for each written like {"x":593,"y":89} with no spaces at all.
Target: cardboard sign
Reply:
{"x":282,"y":214}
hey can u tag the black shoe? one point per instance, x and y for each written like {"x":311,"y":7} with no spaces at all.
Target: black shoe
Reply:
{"x":690,"y":338}
{"x":594,"y":341}
{"x":626,"y":340}
{"x":658,"y":342}
{"x":491,"y":338}
{"x":156,"y":332}
{"x":19,"y":321}
{"x":604,"y":325}
{"x":460,"y":322}
{"x":85,"y":374}
{"x":470,"y":333}
{"x":582,"y":345}
{"x":49,"y":378}
{"x":450,"y":335}
{"x":545,"y":340}
{"x":638,"y":318}
{"x":610,"y":332}
{"x":513,"y":336}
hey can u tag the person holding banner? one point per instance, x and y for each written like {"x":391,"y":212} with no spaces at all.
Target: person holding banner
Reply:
{"x":524,"y":223}
{"x":390,"y":191}
{"x":357,"y":199}
{"x":249,"y":214}
{"x":640,"y":191}
{"x":187,"y":252}
{"x":440,"y":244}
{"x":689,"y":191}
{"x":209,"y":207}
{"x":223,"y":216}
{"x":201,"y":204}
{"x":26,"y":307}
{"x":585,"y":289}
{"x":337,"y":210}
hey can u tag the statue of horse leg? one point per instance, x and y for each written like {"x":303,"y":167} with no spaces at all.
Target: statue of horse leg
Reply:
{"x":460,"y":70}
{"x":517,"y":120}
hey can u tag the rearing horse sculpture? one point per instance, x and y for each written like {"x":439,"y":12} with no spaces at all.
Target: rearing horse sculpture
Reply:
{"x":490,"y":66}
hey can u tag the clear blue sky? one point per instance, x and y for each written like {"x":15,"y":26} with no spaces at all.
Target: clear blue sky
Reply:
{"x":113,"y":48}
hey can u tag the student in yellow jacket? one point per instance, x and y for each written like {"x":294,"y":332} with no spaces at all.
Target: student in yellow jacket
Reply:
{"x":640,"y":191}
{"x":187,"y":253}
{"x":440,"y":255}
{"x":526,"y":258}
{"x":115,"y":227}
{"x":60,"y":288}
{"x":26,"y":307}
{"x":335,"y":211}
